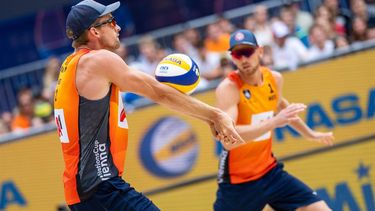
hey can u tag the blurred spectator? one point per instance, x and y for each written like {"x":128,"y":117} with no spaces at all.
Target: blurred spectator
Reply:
{"x":341,"y":43}
{"x":122,"y":51}
{"x":226,"y":26}
{"x":6,"y":119}
{"x":149,"y":55}
{"x":3,"y":127}
{"x":289,"y":18}
{"x":359,"y":32}
{"x":182,"y":45}
{"x":249,"y":23}
{"x":24,"y":117}
{"x":266,"y":59}
{"x":303,"y":19}
{"x":216,"y":39}
{"x":51,"y":74}
{"x":287,"y":52}
{"x":193,"y":36}
{"x":321,"y":46}
{"x":325,"y":19}
{"x":341,"y":16}
{"x":263,"y":30}
{"x":361,"y":10}
{"x":208,"y":63}
{"x":327,"y":26}
{"x":371,"y":34}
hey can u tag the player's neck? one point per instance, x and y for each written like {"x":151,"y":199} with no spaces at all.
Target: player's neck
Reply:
{"x":254,"y":78}
{"x":83,"y":47}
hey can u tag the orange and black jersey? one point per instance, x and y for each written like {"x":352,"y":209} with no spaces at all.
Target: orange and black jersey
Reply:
{"x":93,"y":134}
{"x":254,"y":159}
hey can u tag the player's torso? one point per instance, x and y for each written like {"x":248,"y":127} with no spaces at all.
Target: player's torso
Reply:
{"x":257,"y":103}
{"x":93,"y":133}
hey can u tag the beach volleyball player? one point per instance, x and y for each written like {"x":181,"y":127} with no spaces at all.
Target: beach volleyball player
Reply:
{"x":90,"y":116}
{"x":250,"y":176}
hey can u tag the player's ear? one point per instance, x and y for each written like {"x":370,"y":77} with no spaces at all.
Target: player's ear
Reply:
{"x":93,"y":31}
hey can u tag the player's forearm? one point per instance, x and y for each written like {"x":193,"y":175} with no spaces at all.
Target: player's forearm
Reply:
{"x":302,"y":128}
{"x":185,"y":104}
{"x":251,"y":132}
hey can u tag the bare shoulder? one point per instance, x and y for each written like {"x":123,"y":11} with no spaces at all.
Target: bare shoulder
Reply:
{"x":101,"y":62}
{"x":227,"y":88}
{"x":100,"y":57}
{"x":278,"y":77}
{"x":226,"y":85}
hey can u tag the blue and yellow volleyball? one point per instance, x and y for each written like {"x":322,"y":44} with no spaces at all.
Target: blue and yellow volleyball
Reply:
{"x":178,"y":71}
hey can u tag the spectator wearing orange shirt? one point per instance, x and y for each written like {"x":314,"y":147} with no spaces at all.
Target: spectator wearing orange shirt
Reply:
{"x":216,"y":40}
{"x":25,"y":115}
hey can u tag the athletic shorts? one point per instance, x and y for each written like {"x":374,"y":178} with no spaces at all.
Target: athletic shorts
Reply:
{"x":115,"y":194}
{"x":277,"y":188}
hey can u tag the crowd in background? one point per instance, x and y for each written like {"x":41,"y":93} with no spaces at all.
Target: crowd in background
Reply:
{"x":292,"y":37}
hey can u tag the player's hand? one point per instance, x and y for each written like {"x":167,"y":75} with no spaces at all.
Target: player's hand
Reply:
{"x":324,"y":138}
{"x":289,"y":114}
{"x":226,"y":132}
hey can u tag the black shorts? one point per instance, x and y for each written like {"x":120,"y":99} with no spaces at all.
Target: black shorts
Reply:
{"x":277,"y":188}
{"x":115,"y":194}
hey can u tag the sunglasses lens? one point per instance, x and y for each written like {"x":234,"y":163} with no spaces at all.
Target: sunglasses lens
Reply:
{"x":243,"y":52}
{"x":113,"y":22}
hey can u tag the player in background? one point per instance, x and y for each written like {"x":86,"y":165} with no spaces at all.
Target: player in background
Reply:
{"x":249,"y":175}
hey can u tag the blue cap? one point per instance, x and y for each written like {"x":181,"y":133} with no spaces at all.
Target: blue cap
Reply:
{"x":244,"y":37}
{"x":83,"y":14}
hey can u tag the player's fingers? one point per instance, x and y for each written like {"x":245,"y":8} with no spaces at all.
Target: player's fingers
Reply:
{"x":296,"y":107}
{"x":296,"y":111}
{"x":235,"y":137}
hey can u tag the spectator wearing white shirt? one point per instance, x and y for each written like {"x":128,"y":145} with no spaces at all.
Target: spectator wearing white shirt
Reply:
{"x":263,"y":30}
{"x":321,"y":45}
{"x":287,"y":52}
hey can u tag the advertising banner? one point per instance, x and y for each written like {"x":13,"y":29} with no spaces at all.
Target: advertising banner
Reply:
{"x":174,"y":159}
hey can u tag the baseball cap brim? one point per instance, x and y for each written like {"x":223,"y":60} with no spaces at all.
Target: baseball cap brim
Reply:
{"x":243,"y":43}
{"x":110,"y":8}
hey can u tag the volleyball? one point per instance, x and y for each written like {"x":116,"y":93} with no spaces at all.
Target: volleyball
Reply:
{"x":178,"y":71}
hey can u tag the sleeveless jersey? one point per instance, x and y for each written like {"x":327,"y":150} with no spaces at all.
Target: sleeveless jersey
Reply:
{"x":93,"y":134}
{"x":254,"y":159}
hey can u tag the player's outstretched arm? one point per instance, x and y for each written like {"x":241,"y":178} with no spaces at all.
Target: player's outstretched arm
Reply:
{"x":128,"y":79}
{"x":251,"y":132}
{"x":301,"y":127}
{"x":298,"y":124}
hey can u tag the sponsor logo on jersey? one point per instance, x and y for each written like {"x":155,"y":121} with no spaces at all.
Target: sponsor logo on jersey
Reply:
{"x":247,"y":93}
{"x":61,"y":126}
{"x":122,"y":122}
{"x":101,"y":160}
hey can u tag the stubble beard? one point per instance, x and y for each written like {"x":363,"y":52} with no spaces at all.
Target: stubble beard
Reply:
{"x":251,"y":71}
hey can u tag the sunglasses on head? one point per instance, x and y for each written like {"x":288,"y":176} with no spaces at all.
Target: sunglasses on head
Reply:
{"x":111,"y":21}
{"x":246,"y":52}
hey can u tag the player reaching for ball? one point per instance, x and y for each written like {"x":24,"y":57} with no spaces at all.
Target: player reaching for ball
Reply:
{"x":250,"y":176}
{"x":91,"y":119}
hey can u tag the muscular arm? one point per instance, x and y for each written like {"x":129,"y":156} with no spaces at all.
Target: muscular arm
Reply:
{"x":111,"y":67}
